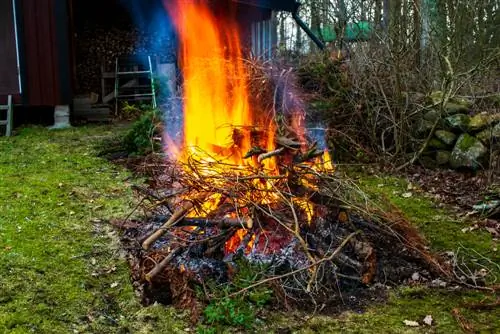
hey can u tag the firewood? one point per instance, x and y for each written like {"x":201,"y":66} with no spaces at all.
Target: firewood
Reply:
{"x":222,"y":223}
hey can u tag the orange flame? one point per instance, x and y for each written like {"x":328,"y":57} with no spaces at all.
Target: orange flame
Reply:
{"x":215,"y":92}
{"x":217,"y":116}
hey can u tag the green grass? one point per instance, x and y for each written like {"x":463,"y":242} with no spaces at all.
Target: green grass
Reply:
{"x":61,"y":271}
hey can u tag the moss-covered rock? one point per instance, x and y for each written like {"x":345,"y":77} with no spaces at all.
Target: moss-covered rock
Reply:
{"x":423,"y":127}
{"x":483,"y":120}
{"x":436,"y":144}
{"x":468,"y":152}
{"x":446,"y":137}
{"x":432,"y":115}
{"x":454,"y":105}
{"x":452,"y":108}
{"x":458,"y":122}
{"x":443,"y":157}
{"x":488,"y":134}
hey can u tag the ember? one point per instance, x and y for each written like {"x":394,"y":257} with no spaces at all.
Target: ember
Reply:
{"x":249,"y":182}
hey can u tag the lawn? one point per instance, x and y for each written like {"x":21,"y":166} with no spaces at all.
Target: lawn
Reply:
{"x":63,"y":272}
{"x":61,"y":267}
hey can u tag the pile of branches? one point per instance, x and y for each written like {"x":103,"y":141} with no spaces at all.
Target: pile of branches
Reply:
{"x":312,"y":234}
{"x":302,"y":225}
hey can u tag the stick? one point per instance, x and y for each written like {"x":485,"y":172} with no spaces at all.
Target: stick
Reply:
{"x":162,"y":265}
{"x":273,"y":278}
{"x":224,"y":222}
{"x":271,"y":154}
{"x":176,"y":217}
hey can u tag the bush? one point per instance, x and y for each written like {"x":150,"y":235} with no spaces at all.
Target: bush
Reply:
{"x":140,"y":139}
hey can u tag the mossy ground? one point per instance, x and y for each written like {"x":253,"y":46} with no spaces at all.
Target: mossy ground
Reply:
{"x":61,"y":270}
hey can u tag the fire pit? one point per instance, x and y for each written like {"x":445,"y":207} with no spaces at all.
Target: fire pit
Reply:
{"x":250,"y":182}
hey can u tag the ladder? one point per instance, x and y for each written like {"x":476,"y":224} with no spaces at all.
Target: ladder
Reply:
{"x":134,"y":80}
{"x":8,"y":121}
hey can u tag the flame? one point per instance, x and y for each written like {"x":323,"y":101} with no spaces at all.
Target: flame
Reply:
{"x":219,"y":125}
{"x":215,"y":92}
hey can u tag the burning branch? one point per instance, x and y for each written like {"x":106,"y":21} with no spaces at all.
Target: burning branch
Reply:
{"x":175,"y":218}
{"x":271,"y":154}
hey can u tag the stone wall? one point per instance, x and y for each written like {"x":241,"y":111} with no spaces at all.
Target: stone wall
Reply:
{"x":465,"y":136}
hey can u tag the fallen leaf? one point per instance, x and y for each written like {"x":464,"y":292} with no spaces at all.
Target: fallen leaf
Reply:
{"x":114,"y":285}
{"x":428,"y":320}
{"x":411,"y":323}
{"x":407,"y":195}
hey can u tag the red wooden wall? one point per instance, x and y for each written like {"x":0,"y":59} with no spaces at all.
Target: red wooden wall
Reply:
{"x":9,"y":82}
{"x":44,"y":51}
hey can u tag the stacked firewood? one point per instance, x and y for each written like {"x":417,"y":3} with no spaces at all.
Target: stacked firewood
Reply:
{"x":97,"y":49}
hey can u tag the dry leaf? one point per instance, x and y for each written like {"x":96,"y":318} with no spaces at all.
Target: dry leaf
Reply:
{"x":407,"y":195}
{"x":428,"y":320}
{"x":411,"y":323}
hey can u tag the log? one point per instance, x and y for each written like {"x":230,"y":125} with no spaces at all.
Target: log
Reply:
{"x":175,"y":218}
{"x":222,"y":223}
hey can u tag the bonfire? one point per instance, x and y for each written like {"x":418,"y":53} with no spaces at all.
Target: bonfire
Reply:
{"x":249,"y":180}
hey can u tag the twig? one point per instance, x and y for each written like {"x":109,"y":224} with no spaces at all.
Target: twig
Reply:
{"x":176,"y":217}
{"x":270,"y":279}
{"x":271,"y":154}
{"x":162,"y":265}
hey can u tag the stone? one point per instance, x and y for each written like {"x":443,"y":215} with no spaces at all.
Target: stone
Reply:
{"x":452,"y":108}
{"x":455,"y":104}
{"x":443,"y":157}
{"x":483,"y":120}
{"x":424,"y":127}
{"x":491,"y":133}
{"x":436,"y":143}
{"x":468,"y":152}
{"x":446,"y":137}
{"x":458,"y":122}
{"x":432,"y":115}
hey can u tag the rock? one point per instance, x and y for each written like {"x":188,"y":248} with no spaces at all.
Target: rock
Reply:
{"x":432,"y":115}
{"x":483,"y":120}
{"x":436,"y":143}
{"x":424,"y":127}
{"x":468,"y":152}
{"x":458,"y":122}
{"x":427,"y":162}
{"x":443,"y":157}
{"x":446,"y":137}
{"x":491,"y":133}
{"x":454,"y":105}
{"x":454,"y":108}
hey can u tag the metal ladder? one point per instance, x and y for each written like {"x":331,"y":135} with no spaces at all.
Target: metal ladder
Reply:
{"x":134,"y":80}
{"x":8,"y":121}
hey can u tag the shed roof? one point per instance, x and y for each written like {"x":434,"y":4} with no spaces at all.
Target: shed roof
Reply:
{"x":285,"y":5}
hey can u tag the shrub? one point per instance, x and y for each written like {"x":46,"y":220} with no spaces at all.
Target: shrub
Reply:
{"x":140,"y":139}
